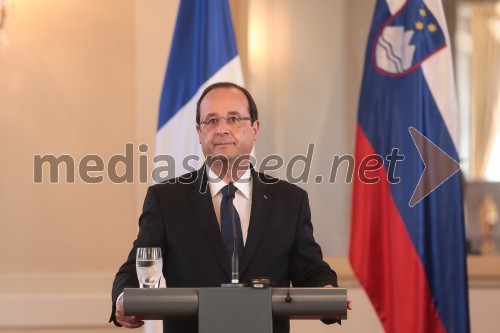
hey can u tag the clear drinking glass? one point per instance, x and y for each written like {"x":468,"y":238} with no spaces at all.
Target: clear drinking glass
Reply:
{"x":149,"y":266}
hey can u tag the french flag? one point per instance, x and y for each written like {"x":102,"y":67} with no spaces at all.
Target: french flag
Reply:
{"x":203,"y":52}
{"x":409,"y":257}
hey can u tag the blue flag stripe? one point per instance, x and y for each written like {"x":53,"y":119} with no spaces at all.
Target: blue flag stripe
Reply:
{"x":203,"y":43}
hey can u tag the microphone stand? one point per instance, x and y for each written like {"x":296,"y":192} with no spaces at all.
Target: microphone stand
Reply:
{"x":235,"y":270}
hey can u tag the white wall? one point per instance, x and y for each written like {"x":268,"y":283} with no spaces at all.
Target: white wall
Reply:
{"x":298,"y":77}
{"x":66,"y":87}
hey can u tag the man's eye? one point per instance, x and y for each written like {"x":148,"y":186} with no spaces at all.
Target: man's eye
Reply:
{"x":234,"y":120}
{"x":212,"y":121}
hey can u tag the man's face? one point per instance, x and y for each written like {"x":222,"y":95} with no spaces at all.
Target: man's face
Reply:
{"x":225,"y":139}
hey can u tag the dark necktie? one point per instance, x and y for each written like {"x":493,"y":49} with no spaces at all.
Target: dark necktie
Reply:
{"x":227,"y":225}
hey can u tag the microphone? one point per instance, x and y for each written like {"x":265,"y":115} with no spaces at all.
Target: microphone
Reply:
{"x":235,"y":270}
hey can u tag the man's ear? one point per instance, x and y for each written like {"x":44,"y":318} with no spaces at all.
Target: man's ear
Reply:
{"x":198,"y":129}
{"x":256,"y":127}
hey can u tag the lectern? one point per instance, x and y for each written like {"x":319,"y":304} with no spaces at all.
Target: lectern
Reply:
{"x":245,"y":310}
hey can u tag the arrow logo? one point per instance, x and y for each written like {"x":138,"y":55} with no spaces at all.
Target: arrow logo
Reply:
{"x":438,"y":166}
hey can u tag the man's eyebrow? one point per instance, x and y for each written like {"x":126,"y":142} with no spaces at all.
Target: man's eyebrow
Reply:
{"x":211,"y":114}
{"x":234,"y":113}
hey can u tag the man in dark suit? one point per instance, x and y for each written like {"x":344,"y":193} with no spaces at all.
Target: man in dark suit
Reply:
{"x":184,"y":216}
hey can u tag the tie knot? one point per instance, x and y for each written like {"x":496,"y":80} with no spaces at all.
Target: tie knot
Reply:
{"x":225,"y":191}
{"x":228,"y":191}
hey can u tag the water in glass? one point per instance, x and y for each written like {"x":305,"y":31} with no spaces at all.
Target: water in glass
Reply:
{"x":149,"y":267}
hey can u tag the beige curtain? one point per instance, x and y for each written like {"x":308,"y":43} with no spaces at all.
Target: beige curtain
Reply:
{"x":485,"y":85}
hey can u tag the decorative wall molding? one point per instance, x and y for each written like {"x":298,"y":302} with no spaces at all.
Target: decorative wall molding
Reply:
{"x":55,"y":299}
{"x":484,"y":272}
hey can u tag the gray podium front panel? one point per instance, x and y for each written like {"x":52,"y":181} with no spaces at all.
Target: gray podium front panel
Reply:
{"x":229,"y":310}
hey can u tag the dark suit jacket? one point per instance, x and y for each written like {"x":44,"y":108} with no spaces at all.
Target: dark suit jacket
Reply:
{"x":179,"y":217}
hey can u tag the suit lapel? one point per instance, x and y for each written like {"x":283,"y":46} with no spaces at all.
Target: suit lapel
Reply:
{"x":204,"y":207}
{"x":261,"y":202}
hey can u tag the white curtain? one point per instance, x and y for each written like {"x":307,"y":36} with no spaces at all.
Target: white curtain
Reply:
{"x":485,"y":85}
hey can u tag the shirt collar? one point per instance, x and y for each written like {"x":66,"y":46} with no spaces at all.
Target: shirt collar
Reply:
{"x":216,"y":184}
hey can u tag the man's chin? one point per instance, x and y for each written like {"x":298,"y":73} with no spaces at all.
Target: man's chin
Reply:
{"x":223,"y":155}
{"x":227,"y":151}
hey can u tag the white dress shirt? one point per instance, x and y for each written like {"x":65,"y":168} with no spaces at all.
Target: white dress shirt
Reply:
{"x":242,"y":200}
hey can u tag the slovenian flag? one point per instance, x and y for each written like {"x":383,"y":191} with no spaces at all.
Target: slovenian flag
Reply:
{"x":203,"y":52}
{"x":409,"y":255}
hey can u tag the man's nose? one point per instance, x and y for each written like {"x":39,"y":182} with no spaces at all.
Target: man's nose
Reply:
{"x":222,"y":127}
